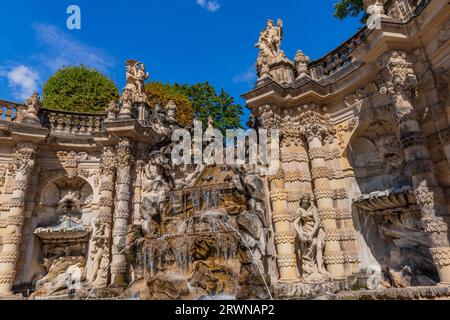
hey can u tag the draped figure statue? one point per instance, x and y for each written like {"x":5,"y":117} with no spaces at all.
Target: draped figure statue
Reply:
{"x":311,"y":234}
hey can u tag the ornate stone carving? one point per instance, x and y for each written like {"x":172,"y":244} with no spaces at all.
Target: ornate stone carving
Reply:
{"x":294,"y":157}
{"x":269,"y":45}
{"x":301,"y":64}
{"x":23,"y":159}
{"x":298,"y":176}
{"x":287,"y":261}
{"x":312,"y":239}
{"x":397,"y":74}
{"x":134,"y":90}
{"x":441,"y":256}
{"x":33,"y":105}
{"x":284,"y":237}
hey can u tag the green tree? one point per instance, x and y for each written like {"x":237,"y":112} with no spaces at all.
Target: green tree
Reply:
{"x":207,"y":103}
{"x":350,"y":8}
{"x":79,"y":89}
{"x":161,"y":93}
{"x":199,"y":101}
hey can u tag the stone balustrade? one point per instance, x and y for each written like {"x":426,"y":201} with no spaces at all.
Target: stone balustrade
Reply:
{"x":71,"y":122}
{"x":338,"y":59}
{"x":10,"y":111}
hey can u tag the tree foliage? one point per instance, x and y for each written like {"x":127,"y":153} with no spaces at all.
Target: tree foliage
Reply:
{"x":204,"y":102}
{"x":349,"y":8}
{"x":79,"y":89}
{"x":161,"y":93}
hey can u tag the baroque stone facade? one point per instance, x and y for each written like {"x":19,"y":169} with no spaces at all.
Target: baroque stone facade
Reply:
{"x":93,"y":206}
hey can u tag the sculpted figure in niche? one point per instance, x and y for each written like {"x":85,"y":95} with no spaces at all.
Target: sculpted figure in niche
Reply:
{"x":100,"y":254}
{"x":310,"y":232}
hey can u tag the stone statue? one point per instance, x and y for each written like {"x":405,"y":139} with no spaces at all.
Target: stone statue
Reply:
{"x":155,"y":189}
{"x":270,"y":39}
{"x":301,"y":64}
{"x":269,"y":45}
{"x":112,"y":110}
{"x":100,"y":254}
{"x":251,"y":184}
{"x":310,"y":232}
{"x":171,"y":111}
{"x":33,"y":105}
{"x":136,"y":76}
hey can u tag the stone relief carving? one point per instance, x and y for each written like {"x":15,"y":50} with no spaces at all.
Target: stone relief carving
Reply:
{"x":100,"y":254}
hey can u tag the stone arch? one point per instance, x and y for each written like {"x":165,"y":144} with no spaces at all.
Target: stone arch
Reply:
{"x":47,"y":214}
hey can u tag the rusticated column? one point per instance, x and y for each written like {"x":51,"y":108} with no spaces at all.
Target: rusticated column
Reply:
{"x":333,"y":257}
{"x":122,"y":211}
{"x":399,"y":81}
{"x":342,"y":213}
{"x":284,"y":234}
{"x":102,"y":253}
{"x":24,"y":164}
{"x":295,"y":164}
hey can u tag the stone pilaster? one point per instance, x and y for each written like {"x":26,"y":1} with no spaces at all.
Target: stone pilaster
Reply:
{"x":24,"y":164}
{"x":398,"y":80}
{"x":284,"y":234}
{"x":119,"y":266}
{"x":99,"y":273}
{"x":334,"y":257}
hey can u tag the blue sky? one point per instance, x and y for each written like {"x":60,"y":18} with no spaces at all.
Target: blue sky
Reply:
{"x":185,"y":41}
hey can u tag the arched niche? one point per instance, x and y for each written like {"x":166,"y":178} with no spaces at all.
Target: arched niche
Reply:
{"x":388,"y":217}
{"x":61,"y":226}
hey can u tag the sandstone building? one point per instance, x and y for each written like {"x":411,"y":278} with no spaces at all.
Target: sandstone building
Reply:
{"x":91,"y":205}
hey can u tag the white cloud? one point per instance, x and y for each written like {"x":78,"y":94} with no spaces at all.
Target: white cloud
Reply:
{"x":23,"y":81}
{"x":61,"y":49}
{"x":248,"y":76}
{"x":211,"y":6}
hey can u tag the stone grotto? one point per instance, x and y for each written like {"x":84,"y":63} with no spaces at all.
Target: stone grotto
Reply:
{"x":92,"y":207}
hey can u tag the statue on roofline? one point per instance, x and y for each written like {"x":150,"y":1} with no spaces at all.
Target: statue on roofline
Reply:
{"x":136,"y":76}
{"x":269,"y":45}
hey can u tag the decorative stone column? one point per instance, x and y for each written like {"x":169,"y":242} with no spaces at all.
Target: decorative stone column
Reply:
{"x":284,"y":234}
{"x":342,"y":213}
{"x":99,"y":272}
{"x":122,"y":211}
{"x":295,"y":164}
{"x":333,"y":257}
{"x":24,"y":164}
{"x":399,"y":81}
